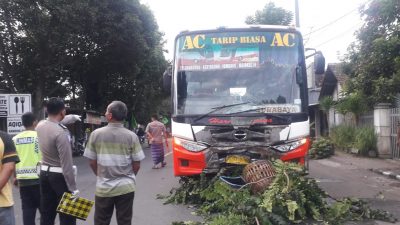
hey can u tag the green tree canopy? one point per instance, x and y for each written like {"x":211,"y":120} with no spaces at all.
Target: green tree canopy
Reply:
{"x":92,"y":52}
{"x":271,"y":15}
{"x":374,"y":59}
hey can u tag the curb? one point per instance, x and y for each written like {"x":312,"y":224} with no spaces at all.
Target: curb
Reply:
{"x":386,"y":173}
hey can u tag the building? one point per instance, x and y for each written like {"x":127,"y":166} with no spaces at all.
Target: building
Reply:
{"x":331,"y":83}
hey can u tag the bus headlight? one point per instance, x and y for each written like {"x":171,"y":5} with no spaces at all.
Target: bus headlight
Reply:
{"x":190,"y":145}
{"x":290,"y":146}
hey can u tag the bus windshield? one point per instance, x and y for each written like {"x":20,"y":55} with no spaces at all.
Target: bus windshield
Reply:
{"x":252,"y":71}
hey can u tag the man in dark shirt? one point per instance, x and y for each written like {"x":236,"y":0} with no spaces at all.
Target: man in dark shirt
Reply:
{"x":9,"y":158}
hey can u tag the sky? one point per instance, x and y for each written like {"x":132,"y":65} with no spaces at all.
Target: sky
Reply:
{"x":327,"y":25}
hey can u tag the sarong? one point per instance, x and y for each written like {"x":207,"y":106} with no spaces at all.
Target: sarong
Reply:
{"x":157,"y":153}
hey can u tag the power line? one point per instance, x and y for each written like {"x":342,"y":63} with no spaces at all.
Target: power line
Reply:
{"x":306,"y":39}
{"x":330,"y":23}
{"x":334,"y":21}
{"x":339,"y":35}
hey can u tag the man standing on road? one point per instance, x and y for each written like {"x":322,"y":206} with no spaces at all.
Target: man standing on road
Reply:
{"x":155,"y":132}
{"x":115,"y":154}
{"x":27,"y":177}
{"x":9,"y":158}
{"x":57,"y":174}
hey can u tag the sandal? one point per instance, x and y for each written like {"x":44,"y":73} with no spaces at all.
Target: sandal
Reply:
{"x":156,"y":167}
{"x":163,"y":164}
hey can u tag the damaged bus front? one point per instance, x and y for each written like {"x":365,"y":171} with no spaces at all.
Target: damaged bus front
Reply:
{"x":238,"y":95}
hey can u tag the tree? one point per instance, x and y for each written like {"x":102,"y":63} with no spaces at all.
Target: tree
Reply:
{"x":373,"y":62}
{"x":32,"y":46}
{"x":130,"y":59}
{"x":354,"y":103}
{"x":92,"y":52}
{"x":271,"y":15}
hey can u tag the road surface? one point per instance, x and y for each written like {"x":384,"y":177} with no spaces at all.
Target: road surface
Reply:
{"x":349,"y":177}
{"x":339,"y":176}
{"x":147,"y":210}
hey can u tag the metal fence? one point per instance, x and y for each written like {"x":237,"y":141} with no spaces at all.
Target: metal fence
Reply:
{"x":366,"y":119}
{"x":395,"y":128}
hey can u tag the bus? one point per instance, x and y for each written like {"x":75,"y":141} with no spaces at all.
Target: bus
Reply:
{"x":238,"y":95}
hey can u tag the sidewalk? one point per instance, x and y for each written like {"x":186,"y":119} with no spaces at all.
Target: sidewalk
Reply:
{"x":385,"y":167}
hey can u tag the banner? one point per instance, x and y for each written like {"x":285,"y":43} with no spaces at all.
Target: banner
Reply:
{"x":234,"y":50}
{"x":133,"y":122}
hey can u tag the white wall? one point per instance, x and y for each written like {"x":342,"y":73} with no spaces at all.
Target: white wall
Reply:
{"x":336,"y":118}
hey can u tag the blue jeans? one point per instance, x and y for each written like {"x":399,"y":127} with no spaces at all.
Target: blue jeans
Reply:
{"x":7,"y":215}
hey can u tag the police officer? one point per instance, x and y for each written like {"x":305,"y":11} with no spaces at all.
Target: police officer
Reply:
{"x":26,"y":175}
{"x":57,"y":174}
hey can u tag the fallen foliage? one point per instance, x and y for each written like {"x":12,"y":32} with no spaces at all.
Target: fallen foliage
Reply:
{"x":292,"y":198}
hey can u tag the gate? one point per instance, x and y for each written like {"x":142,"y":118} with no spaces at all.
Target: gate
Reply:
{"x":395,"y":128}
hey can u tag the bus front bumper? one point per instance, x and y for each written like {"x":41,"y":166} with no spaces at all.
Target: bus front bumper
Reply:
{"x":188,"y":163}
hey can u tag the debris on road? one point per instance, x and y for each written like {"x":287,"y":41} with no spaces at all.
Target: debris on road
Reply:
{"x":290,"y":198}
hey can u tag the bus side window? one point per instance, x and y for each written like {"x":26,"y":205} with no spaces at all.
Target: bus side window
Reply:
{"x":182,"y":85}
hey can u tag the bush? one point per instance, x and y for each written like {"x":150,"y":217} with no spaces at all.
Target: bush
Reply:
{"x":365,"y":140}
{"x":229,"y":219}
{"x":343,"y":136}
{"x":346,"y":137}
{"x":321,"y":148}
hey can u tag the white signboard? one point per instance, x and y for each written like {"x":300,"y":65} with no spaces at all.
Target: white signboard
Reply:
{"x":19,"y":104}
{"x":12,"y":106}
{"x":3,"y":105}
{"x":14,"y":125}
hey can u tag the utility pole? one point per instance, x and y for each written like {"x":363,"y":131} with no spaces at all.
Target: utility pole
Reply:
{"x":296,"y":5}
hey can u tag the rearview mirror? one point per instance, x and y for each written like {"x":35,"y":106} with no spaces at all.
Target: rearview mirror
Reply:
{"x":167,"y":79}
{"x":319,"y":63}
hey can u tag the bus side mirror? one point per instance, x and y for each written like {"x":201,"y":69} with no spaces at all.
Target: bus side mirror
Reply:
{"x":319,"y":63}
{"x":167,"y":79}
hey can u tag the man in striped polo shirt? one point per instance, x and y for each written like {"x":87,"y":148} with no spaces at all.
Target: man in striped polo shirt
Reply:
{"x":115,"y":154}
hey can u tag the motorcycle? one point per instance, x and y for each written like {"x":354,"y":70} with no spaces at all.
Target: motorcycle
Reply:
{"x":141,"y":135}
{"x":78,"y":148}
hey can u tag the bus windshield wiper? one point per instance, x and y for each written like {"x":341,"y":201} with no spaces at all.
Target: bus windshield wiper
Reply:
{"x":215,"y":109}
{"x":252,"y":110}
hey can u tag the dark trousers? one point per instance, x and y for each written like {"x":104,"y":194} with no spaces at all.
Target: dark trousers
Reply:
{"x":52,"y":187}
{"x":30,"y":200}
{"x":104,"y":208}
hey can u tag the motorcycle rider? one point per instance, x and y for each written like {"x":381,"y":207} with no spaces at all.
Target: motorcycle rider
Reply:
{"x":141,"y":134}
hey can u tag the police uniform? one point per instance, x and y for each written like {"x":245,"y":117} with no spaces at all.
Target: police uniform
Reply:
{"x":28,"y":180}
{"x":56,"y":175}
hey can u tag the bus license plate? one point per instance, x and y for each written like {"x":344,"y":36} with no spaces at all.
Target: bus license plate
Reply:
{"x":237,"y":159}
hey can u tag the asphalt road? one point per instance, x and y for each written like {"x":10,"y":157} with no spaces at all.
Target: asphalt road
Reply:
{"x":147,"y":209}
{"x":340,"y":178}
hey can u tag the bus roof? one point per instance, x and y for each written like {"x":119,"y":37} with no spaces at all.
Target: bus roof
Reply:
{"x":243,"y":28}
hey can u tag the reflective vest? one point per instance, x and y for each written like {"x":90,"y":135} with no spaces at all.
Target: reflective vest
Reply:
{"x":27,"y":147}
